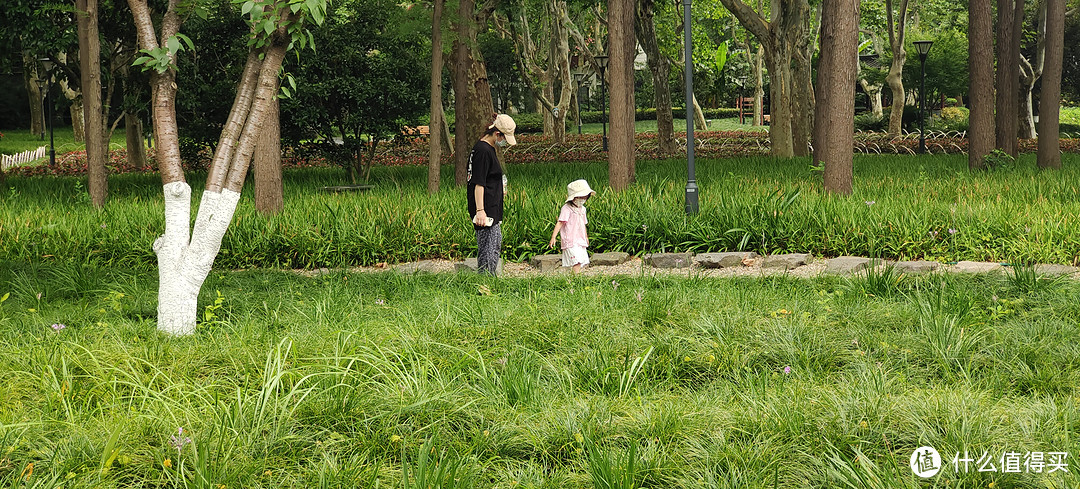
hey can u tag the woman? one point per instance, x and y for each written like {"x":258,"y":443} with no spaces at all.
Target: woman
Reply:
{"x":485,"y":192}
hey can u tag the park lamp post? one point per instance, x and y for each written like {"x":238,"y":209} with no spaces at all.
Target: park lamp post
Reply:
{"x":688,"y":45}
{"x":578,"y":77}
{"x":922,"y":47}
{"x":602,"y":61}
{"x":48,"y":65}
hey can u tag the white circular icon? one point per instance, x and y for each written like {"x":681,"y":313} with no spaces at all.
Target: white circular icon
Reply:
{"x":925,"y":462}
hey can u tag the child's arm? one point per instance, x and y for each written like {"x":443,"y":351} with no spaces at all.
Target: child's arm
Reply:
{"x":558,"y":227}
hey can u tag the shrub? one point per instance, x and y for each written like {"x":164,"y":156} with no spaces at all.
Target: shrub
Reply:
{"x":950,"y":119}
{"x":870,"y":122}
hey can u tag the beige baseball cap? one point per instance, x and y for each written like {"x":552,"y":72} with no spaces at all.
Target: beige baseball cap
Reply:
{"x":506,"y":125}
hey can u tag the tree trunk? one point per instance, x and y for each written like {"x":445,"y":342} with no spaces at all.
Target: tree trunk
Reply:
{"x":31,"y":75}
{"x":133,"y":136}
{"x":74,"y":95}
{"x":1030,"y":72}
{"x":897,"y":33}
{"x":759,"y":87}
{"x":444,"y":128}
{"x":90,"y":65}
{"x":1049,"y":155}
{"x":645,"y":26}
{"x":266,"y":166}
{"x":552,"y":82}
{"x":700,"y":124}
{"x":981,"y":92}
{"x":185,"y":259}
{"x":1008,"y":76}
{"x":834,"y":112}
{"x":780,"y":37}
{"x":873,"y":93}
{"x":780,"y":136}
{"x":435,"y":134}
{"x":621,"y":46}
{"x":802,"y":91}
{"x":472,"y":93}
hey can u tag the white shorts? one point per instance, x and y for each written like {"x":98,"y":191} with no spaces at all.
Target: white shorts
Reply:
{"x":576,"y":255}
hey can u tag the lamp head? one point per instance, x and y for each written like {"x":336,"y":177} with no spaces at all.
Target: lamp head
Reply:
{"x":46,"y":63}
{"x":602,"y":60}
{"x":923,"y":47}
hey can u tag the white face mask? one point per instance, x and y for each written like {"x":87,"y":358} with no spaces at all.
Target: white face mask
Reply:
{"x":580,"y":201}
{"x":501,"y":143}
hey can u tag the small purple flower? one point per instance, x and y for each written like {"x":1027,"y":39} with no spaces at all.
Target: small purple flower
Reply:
{"x":179,"y":440}
{"x":380,"y":302}
{"x":953,"y":231}
{"x":58,"y":326}
{"x":614,"y":285}
{"x":933,"y":234}
{"x":871,"y":202}
{"x":787,"y":370}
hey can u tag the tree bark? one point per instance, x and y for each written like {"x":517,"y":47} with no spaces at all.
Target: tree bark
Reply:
{"x":1008,"y":76}
{"x":802,"y":88}
{"x":31,"y":75}
{"x":435,"y":134}
{"x":780,"y":37}
{"x":981,"y":92}
{"x":873,"y":93}
{"x":621,"y":46}
{"x":185,"y":258}
{"x":759,"y":87}
{"x":133,"y":137}
{"x":266,"y":167}
{"x":834,"y":112}
{"x":1030,"y":72}
{"x":90,"y":66}
{"x":1049,"y":153}
{"x":896,"y":70}
{"x":473,"y":106}
{"x":645,"y":26}
{"x":546,"y":64}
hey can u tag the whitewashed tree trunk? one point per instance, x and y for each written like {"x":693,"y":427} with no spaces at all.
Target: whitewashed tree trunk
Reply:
{"x":184,"y":262}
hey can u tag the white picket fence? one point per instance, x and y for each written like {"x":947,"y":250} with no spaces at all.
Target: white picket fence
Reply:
{"x":11,"y":161}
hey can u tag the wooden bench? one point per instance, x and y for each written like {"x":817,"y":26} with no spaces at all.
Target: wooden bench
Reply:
{"x":418,"y":131}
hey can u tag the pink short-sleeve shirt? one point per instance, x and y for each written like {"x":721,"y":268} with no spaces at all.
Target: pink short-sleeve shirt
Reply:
{"x":574,"y":220}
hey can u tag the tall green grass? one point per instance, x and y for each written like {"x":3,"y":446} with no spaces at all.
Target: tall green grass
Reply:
{"x":927,"y":207}
{"x":393,"y":380}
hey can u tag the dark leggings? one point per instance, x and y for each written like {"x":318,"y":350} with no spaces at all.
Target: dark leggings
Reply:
{"x":488,"y":244}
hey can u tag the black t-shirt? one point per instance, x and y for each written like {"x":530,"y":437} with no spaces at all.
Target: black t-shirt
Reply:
{"x":484,"y":170}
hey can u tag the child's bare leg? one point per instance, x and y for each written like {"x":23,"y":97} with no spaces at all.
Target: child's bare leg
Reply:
{"x":577,"y":268}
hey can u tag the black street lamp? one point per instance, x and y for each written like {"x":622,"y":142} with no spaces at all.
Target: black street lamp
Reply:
{"x":44,"y":116}
{"x":578,"y":77}
{"x":688,"y":45}
{"x":48,"y":65}
{"x":923,"y":47}
{"x":602,"y":61}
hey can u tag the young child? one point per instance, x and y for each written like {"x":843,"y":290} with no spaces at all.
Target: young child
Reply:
{"x":572,"y":222}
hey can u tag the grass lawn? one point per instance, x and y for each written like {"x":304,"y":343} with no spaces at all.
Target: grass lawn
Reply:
{"x":17,"y":141}
{"x":343,"y":380}
{"x":903,"y":207}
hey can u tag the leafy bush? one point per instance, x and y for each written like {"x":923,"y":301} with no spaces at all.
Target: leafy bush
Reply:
{"x":870,"y":122}
{"x":950,"y":119}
